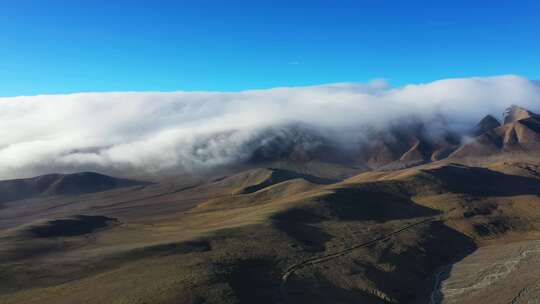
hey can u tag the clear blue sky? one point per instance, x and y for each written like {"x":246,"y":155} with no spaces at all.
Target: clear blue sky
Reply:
{"x":57,"y":46}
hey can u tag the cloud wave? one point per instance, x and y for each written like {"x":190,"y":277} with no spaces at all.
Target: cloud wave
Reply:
{"x":152,"y":132}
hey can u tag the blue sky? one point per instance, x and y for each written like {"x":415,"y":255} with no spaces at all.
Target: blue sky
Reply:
{"x":65,"y":46}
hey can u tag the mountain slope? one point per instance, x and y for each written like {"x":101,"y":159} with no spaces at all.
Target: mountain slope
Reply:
{"x":61,"y":184}
{"x":487,"y":124}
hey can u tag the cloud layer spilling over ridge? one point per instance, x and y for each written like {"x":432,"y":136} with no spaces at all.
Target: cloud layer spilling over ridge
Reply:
{"x":153,"y":132}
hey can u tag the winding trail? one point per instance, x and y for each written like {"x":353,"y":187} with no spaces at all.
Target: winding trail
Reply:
{"x":327,"y":257}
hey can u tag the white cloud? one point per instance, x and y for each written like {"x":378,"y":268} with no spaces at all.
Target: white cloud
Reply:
{"x":150,"y":132}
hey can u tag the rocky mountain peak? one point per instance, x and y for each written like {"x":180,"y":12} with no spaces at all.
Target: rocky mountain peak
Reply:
{"x":515,"y":113}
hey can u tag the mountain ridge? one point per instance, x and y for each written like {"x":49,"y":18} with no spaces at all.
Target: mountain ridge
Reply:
{"x":61,"y":184}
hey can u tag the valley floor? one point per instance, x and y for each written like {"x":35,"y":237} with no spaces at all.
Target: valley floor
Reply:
{"x":506,"y":273}
{"x":277,"y":236}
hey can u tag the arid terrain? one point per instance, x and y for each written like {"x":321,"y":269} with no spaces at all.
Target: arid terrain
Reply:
{"x":411,"y":218}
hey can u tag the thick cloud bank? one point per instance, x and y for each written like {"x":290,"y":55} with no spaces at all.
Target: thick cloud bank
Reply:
{"x":153,"y":132}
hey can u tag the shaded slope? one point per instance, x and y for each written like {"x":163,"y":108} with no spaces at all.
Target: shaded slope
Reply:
{"x":77,"y":225}
{"x":483,"y":182}
{"x":61,"y":184}
{"x":487,"y":124}
{"x":298,"y":143}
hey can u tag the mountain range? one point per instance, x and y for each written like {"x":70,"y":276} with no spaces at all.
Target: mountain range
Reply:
{"x":414,"y":213}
